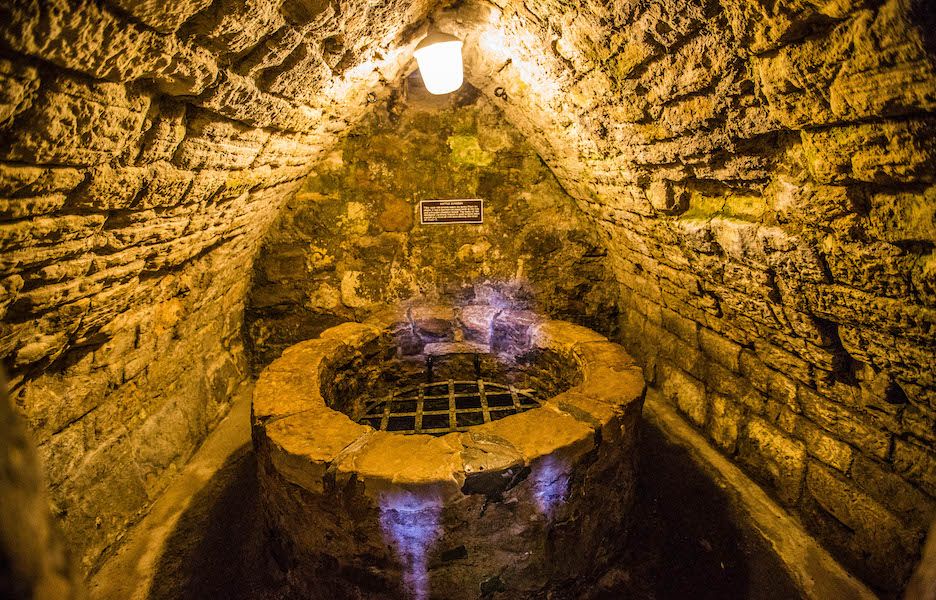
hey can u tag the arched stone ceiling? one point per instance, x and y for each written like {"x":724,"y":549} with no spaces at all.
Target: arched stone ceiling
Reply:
{"x":763,"y":172}
{"x":634,"y":105}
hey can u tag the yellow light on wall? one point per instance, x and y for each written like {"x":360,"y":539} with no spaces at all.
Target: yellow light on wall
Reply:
{"x":439,"y":57}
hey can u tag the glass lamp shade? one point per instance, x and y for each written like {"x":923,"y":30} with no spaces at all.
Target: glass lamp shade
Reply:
{"x":439,"y":58}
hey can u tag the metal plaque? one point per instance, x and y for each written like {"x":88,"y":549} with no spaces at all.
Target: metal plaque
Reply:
{"x":456,"y":210}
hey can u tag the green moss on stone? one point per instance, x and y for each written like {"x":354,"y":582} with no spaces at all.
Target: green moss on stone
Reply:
{"x":731,"y":206}
{"x":703,"y":207}
{"x":467,"y":151}
{"x":748,"y":208}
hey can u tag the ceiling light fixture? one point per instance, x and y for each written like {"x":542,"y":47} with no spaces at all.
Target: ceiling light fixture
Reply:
{"x":439,"y":56}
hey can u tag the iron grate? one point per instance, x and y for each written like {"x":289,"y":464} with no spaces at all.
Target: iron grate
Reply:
{"x":442,"y":407}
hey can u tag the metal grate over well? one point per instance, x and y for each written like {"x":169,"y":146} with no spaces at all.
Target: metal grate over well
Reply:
{"x":442,"y":407}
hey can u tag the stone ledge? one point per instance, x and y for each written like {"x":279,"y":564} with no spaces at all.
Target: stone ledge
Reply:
{"x":817,"y":575}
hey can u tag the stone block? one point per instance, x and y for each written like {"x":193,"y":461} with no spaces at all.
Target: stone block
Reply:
{"x":9,"y":287}
{"x":561,"y":335}
{"x":719,"y":379}
{"x":88,"y":38}
{"x":684,"y":328}
{"x":892,"y":491}
{"x":61,"y":453}
{"x":825,"y":448}
{"x":214,"y":143}
{"x":683,"y":72}
{"x":78,"y":122}
{"x":511,"y":331}
{"x":888,"y":152}
{"x":860,"y":530}
{"x":843,"y":423}
{"x":870,"y":65}
{"x":720,"y":349}
{"x":782,"y":389}
{"x":685,"y":392}
{"x":920,"y":422}
{"x":166,"y":440}
{"x":165,"y":132}
{"x":119,"y":236}
{"x":102,"y":498}
{"x":233,"y":28}
{"x":648,"y":308}
{"x":18,"y":85}
{"x":875,"y":267}
{"x":778,"y":359}
{"x":16,"y":260}
{"x":679,"y":353}
{"x":238,"y":98}
{"x":60,"y":270}
{"x":847,"y":306}
{"x":53,"y":402}
{"x":726,"y":419}
{"x":888,"y":71}
{"x":26,"y":180}
{"x":165,"y":18}
{"x":774,"y":458}
{"x":108,"y":188}
{"x":917,"y":463}
{"x":808,"y":202}
{"x":290,"y":150}
{"x":665,"y":198}
{"x":300,"y":77}
{"x":30,"y":206}
{"x":165,"y":187}
{"x":903,"y":216}
{"x":306,"y":443}
{"x":48,"y":230}
{"x":271,"y":52}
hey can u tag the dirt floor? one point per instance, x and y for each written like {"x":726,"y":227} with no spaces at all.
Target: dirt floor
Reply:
{"x":683,"y":545}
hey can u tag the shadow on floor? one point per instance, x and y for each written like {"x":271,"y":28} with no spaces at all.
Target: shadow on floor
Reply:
{"x":683,"y":544}
{"x":217,"y":550}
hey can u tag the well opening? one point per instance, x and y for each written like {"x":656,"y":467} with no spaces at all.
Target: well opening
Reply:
{"x":435,"y":373}
{"x":440,"y":408}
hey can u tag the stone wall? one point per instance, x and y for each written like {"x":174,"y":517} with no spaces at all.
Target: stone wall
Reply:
{"x":351,"y":242}
{"x":762,"y":174}
{"x":34,"y":560}
{"x":144,"y":149}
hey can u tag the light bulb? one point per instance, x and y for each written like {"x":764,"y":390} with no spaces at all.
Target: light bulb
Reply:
{"x":440,"y":62}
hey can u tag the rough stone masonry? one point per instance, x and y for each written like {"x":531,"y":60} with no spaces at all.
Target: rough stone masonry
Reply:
{"x":145,"y":151}
{"x":762,"y":177}
{"x":350,"y":242}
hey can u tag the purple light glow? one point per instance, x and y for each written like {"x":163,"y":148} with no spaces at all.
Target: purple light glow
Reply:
{"x":411,"y":524}
{"x":495,"y":296}
{"x":550,"y":484}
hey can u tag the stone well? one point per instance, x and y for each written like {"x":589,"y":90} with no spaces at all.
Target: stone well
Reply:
{"x":531,"y":499}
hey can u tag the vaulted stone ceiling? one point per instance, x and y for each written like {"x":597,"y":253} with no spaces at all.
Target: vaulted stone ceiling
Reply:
{"x":762,"y":175}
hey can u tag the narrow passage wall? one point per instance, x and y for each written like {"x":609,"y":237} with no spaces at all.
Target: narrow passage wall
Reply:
{"x":146,"y":147}
{"x":763,"y":175}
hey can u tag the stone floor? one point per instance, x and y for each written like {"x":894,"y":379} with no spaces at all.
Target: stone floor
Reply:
{"x":209,"y":545}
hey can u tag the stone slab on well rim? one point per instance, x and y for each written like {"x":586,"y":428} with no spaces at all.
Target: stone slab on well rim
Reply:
{"x":290,"y":384}
{"x":302,"y":458}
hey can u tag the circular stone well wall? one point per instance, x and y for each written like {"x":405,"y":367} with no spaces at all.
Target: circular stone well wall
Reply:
{"x":510,"y":508}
